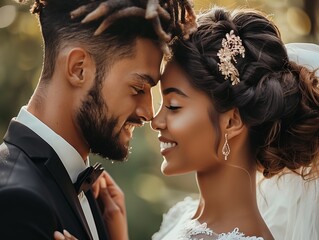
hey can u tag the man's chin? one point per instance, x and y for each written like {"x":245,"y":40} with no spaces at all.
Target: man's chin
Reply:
{"x":120,"y":154}
{"x":123,"y":154}
{"x":121,"y":157}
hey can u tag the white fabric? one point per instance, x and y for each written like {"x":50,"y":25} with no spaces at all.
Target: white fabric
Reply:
{"x":306,"y":54}
{"x":71,"y":159}
{"x":178,"y":225}
{"x":290,"y":207}
{"x":288,"y":204}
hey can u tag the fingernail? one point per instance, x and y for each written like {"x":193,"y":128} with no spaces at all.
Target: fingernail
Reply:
{"x":103,"y":183}
{"x":66,"y":233}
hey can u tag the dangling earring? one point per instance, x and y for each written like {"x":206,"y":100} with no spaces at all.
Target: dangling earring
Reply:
{"x":226,"y":148}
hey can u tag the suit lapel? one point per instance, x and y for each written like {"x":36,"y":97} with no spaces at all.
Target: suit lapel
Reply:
{"x":36,"y":148}
{"x":97,"y":216}
{"x":62,"y":179}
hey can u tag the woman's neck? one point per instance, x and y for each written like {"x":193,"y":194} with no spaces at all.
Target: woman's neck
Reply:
{"x":226,"y":187}
{"x":228,"y":198}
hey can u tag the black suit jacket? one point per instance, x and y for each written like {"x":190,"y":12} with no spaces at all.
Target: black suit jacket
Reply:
{"x":37,"y":196}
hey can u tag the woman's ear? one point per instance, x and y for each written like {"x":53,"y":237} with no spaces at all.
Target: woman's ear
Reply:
{"x":79,"y":67}
{"x":233,"y":123}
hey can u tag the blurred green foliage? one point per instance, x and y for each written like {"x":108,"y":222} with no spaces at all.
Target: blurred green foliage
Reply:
{"x":148,"y":193}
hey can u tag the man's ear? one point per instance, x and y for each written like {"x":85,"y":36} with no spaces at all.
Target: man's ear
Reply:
{"x":79,"y":67}
{"x":233,"y":123}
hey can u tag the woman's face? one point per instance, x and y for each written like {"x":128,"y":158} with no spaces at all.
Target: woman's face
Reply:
{"x":186,"y":133}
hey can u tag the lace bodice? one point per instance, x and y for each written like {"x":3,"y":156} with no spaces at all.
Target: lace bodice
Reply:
{"x":178,"y":225}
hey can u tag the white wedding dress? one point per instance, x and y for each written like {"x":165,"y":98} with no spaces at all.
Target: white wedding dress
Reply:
{"x":178,"y":225}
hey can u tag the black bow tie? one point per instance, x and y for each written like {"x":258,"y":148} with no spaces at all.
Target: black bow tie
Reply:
{"x":88,"y":177}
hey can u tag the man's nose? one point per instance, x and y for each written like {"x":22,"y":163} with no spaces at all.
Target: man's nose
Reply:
{"x":145,"y":109}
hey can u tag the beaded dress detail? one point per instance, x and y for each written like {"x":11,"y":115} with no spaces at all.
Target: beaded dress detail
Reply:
{"x":178,"y":224}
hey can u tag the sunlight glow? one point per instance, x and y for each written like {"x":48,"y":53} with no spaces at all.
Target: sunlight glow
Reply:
{"x":7,"y":15}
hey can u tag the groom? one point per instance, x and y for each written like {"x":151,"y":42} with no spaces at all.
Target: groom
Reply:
{"x":93,"y":91}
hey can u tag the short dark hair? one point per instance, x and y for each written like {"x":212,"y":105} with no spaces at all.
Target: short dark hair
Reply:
{"x":60,"y":29}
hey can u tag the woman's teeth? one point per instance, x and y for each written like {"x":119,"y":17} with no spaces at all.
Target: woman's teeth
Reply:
{"x":166,"y":145}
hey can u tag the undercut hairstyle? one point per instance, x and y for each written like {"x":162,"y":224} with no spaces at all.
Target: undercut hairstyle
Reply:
{"x":278,"y":100}
{"x":117,"y":41}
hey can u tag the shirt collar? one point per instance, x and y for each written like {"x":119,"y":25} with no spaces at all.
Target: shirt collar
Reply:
{"x":71,"y":159}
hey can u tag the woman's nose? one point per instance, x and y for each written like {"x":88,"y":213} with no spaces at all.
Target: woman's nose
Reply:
{"x":158,"y":122}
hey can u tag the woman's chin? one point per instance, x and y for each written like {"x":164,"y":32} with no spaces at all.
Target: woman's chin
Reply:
{"x":165,"y":168}
{"x":168,"y":170}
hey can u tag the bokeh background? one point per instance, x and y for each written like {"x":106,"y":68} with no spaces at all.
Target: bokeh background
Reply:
{"x":148,"y":193}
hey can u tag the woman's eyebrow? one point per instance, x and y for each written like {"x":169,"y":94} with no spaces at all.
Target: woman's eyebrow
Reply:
{"x":167,"y":91}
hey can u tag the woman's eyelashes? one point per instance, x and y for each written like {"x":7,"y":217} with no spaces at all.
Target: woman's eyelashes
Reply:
{"x":172,"y":108}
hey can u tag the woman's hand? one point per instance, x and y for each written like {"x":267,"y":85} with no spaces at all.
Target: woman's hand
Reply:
{"x":112,"y":203}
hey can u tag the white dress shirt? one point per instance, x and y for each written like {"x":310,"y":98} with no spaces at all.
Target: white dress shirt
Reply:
{"x":71,"y":159}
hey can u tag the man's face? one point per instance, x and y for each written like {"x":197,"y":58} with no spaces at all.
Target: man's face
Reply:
{"x":110,"y":111}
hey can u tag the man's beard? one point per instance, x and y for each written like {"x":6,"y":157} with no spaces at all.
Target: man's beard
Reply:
{"x":97,"y":129}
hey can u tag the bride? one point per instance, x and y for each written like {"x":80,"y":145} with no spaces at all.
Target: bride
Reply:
{"x":232,"y":104}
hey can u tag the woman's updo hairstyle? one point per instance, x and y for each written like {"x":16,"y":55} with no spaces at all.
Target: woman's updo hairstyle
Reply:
{"x":277,"y":99}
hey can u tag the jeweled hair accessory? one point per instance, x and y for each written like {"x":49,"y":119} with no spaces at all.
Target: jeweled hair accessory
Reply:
{"x":231,"y":47}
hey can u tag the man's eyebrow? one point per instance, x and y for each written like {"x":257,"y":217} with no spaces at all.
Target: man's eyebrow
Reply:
{"x":167,"y":91}
{"x":146,"y":78}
